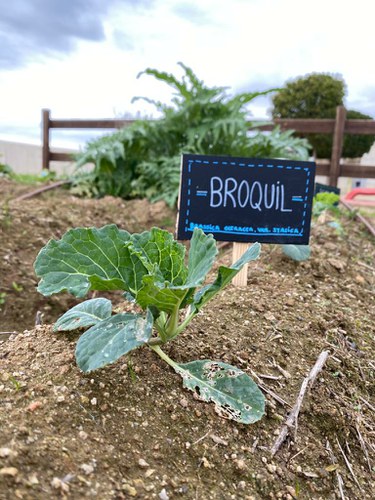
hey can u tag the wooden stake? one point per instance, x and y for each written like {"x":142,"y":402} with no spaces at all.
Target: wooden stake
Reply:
{"x":238,"y":250}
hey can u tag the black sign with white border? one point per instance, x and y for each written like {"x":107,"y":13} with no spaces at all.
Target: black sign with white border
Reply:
{"x":246,"y":199}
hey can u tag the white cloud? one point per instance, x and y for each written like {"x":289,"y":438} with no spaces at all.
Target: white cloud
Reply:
{"x":243,"y":44}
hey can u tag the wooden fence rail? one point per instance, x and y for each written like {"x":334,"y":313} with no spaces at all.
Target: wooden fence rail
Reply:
{"x":333,"y":168}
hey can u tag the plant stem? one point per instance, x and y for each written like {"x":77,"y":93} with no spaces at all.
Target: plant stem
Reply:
{"x":160,"y":326}
{"x":155,"y":341}
{"x":164,"y":356}
{"x":185,"y":322}
{"x":172,"y":323}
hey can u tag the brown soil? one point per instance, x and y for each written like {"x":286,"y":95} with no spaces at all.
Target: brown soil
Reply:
{"x":130,"y":430}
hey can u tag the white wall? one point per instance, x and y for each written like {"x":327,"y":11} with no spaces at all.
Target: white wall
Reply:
{"x":27,"y":158}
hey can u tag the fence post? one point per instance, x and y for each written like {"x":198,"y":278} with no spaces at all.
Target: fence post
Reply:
{"x":45,"y":139}
{"x":338,"y":140}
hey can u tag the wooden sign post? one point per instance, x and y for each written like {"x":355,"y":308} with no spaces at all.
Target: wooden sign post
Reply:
{"x":246,"y":200}
{"x":238,"y":250}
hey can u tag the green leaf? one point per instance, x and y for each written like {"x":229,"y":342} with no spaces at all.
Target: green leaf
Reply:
{"x":336,"y":225}
{"x":164,"y":298}
{"x":297,"y":252}
{"x":89,"y":259}
{"x":168,"y":297}
{"x":161,"y":255}
{"x":235,"y":394}
{"x":110,"y":339}
{"x":87,"y":313}
{"x":202,"y":255}
{"x":225,"y":275}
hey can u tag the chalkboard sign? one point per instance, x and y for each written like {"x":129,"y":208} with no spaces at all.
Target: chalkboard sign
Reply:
{"x":246,"y":199}
{"x":324,"y":188}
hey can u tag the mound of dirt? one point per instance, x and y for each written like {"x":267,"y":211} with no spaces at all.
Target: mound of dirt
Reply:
{"x":131,"y":431}
{"x":26,"y":226}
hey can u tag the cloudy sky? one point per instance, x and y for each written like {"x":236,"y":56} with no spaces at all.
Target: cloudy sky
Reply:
{"x":81,"y":58}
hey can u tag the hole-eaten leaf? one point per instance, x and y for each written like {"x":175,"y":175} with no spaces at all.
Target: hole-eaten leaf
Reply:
{"x":235,"y":394}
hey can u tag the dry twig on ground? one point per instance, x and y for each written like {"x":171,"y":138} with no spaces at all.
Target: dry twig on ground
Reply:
{"x":338,"y":475}
{"x":269,"y":391}
{"x":363,"y":446}
{"x":293,"y":415}
{"x":348,"y":464}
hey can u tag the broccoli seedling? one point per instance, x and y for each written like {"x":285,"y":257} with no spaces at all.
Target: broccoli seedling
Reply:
{"x":150,"y":269}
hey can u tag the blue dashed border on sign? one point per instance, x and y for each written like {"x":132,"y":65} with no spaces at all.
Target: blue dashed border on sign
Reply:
{"x":250,"y":165}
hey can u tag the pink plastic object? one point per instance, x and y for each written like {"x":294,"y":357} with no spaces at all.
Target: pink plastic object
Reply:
{"x":349,"y":197}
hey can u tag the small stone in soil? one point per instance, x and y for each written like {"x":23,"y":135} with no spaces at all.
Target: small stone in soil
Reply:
{"x":87,"y":468}
{"x":9,"y":471}
{"x":34,"y":406}
{"x":6,"y":452}
{"x":59,"y":485}
{"x":163,"y":495}
{"x":130,"y":490}
{"x":33,"y":479}
{"x":271,"y":468}
{"x":218,"y":440}
{"x":149,"y":472}
{"x":240,"y":464}
{"x":142,"y":463}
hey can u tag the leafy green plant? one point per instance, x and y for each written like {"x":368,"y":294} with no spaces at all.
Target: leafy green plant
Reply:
{"x":133,"y":375}
{"x":16,"y":287}
{"x":16,"y":383}
{"x":5,"y":215}
{"x":150,"y":269}
{"x":5,"y":170}
{"x":328,"y":202}
{"x":143,"y":160}
{"x":325,"y":201}
{"x":355,"y":145}
{"x":317,"y":95}
{"x":298,"y":253}
{"x":33,"y":179}
{"x":3,"y":297}
{"x":337,"y":226}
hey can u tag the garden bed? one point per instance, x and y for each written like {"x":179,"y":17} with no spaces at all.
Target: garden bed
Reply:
{"x":131,"y":430}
